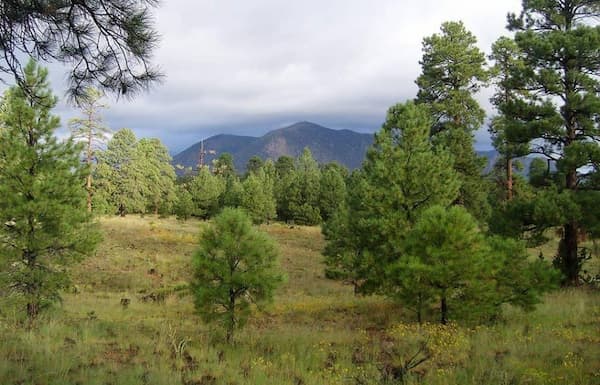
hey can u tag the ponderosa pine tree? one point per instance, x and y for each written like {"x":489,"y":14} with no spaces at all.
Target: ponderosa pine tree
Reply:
{"x":158,"y":175}
{"x":402,"y":175}
{"x":108,"y":42}
{"x":452,"y":72}
{"x":560,"y":43}
{"x":258,"y":198}
{"x":223,"y":166}
{"x":90,"y":130}
{"x":183,"y":206}
{"x":449,"y":261}
{"x":332,"y":190}
{"x":303,"y":193}
{"x":236,"y":266}
{"x":507,"y":61}
{"x":254,"y":164}
{"x":120,"y":175}
{"x":206,"y":190}
{"x":42,"y":196}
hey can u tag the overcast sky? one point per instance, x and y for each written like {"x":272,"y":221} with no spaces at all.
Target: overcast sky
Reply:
{"x":247,"y":67}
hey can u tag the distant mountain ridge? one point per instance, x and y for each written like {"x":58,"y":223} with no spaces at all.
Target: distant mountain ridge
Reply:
{"x":343,"y":146}
{"x":327,"y":145}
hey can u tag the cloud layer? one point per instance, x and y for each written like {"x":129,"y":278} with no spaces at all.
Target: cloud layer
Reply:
{"x":246,"y":67}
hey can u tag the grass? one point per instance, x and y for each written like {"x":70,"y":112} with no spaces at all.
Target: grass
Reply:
{"x":316,"y":332}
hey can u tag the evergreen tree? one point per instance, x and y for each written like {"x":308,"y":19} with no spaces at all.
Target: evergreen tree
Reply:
{"x":91,"y":130}
{"x":42,"y":205}
{"x":453,"y":71}
{"x":254,"y":164}
{"x":449,"y":261}
{"x":508,"y":60}
{"x":108,"y":42}
{"x":332,"y":190}
{"x":284,"y":165}
{"x":234,"y":268}
{"x":232,"y":196}
{"x":258,"y":198}
{"x":305,"y":188}
{"x":158,"y":175}
{"x":184,"y":205}
{"x":560,"y":42}
{"x":224,"y":166}
{"x":120,"y":173}
{"x":402,"y":175}
{"x":206,"y":190}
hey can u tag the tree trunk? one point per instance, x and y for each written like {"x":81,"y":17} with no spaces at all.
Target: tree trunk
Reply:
{"x":444,"y":311}
{"x":569,"y":257}
{"x":231,"y":326}
{"x":88,"y":187}
{"x":509,"y":179}
{"x":89,"y":178}
{"x":33,"y":309}
{"x":568,"y":251}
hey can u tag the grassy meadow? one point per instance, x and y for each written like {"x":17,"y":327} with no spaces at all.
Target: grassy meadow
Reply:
{"x":316,"y":331}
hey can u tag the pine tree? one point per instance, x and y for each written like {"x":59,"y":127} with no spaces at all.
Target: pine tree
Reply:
{"x":234,"y":268}
{"x":154,"y":162}
{"x":258,"y":198}
{"x":91,"y":130}
{"x":332,"y":190}
{"x":206,"y":190}
{"x":560,"y":42}
{"x":401,"y":177}
{"x":508,"y":60}
{"x":43,"y":205}
{"x":453,"y":71}
{"x":254,"y":164}
{"x":223,"y":165}
{"x":304,"y":191}
{"x":121,"y":175}
{"x":184,"y":206}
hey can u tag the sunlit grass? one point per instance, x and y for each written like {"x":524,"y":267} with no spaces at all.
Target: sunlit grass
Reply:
{"x":316,"y":331}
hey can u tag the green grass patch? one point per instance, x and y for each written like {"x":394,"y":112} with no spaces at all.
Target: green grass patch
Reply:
{"x":316,"y":332}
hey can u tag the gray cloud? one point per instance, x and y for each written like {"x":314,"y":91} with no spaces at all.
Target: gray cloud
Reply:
{"x":246,"y":67}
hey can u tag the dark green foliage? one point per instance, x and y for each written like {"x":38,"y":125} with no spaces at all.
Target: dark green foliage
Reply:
{"x":232,"y":196}
{"x":134,"y":176}
{"x":560,"y":44}
{"x":45,"y":224}
{"x":108,"y":42}
{"x":284,"y":165}
{"x":333,"y":189}
{"x":508,"y":60}
{"x":206,"y":190}
{"x":258,"y":198}
{"x":297,"y":190}
{"x":224,"y":166}
{"x":539,"y":173}
{"x":518,"y":280}
{"x":254,"y":164}
{"x":234,"y":268}
{"x":157,"y":174}
{"x":119,"y":174}
{"x":453,"y":71}
{"x":447,"y":257}
{"x":401,"y":177}
{"x":184,"y":205}
{"x":449,"y":261}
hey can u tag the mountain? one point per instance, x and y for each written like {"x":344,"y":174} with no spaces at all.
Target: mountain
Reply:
{"x":344,"y":146}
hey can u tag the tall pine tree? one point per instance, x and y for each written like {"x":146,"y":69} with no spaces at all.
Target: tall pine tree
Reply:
{"x":42,"y":197}
{"x":560,"y":42}
{"x":453,"y":71}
